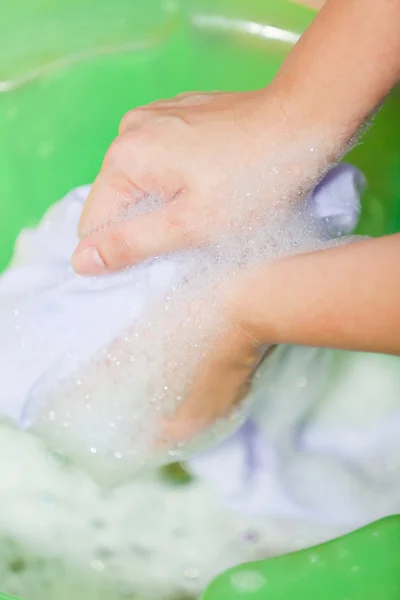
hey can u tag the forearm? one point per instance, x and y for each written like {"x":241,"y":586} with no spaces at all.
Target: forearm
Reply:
{"x":346,"y":297}
{"x":343,"y":66}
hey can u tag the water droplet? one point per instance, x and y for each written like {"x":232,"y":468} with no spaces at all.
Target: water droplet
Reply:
{"x":376,"y":534}
{"x":249,"y":537}
{"x":248,"y":581}
{"x":97,"y":565}
{"x":191,"y":573}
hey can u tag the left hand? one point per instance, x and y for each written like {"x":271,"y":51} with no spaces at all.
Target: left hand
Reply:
{"x":222,"y":378}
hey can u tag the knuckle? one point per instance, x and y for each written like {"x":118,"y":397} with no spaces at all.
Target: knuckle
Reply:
{"x":117,"y":252}
{"x":125,"y":123}
{"x":115,"y":152}
{"x":125,"y":149}
{"x":185,"y":228}
{"x":179,"y":222}
{"x":132,"y":118}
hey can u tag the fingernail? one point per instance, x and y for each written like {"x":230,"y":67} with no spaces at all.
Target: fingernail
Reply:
{"x":88,"y":262}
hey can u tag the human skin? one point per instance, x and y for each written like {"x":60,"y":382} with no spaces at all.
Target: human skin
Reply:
{"x":195,"y":150}
{"x":316,"y":4}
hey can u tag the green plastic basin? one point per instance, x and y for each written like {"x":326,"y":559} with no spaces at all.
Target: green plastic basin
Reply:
{"x":69,"y":70}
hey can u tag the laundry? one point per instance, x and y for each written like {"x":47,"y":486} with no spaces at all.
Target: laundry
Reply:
{"x":321,"y":444}
{"x":88,"y":361}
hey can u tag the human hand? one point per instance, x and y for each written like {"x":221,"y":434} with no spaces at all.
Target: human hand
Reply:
{"x":222,"y":379}
{"x":206,"y":162}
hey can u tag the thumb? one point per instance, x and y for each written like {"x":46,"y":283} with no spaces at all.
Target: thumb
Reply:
{"x":126,"y":243}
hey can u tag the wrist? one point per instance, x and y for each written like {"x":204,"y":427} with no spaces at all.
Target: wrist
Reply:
{"x":247,"y":304}
{"x":298,"y":149}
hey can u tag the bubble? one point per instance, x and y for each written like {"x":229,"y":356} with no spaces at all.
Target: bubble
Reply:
{"x":97,"y":565}
{"x":248,"y":581}
{"x":191,"y":573}
{"x":250,"y":537}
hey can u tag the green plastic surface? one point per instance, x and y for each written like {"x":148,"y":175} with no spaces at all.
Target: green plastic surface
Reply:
{"x":363,"y":565}
{"x":69,"y":70}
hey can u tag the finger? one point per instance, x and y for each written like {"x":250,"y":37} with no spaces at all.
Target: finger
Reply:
{"x":166,"y":230}
{"x":111,"y":194}
{"x":120,"y":182}
{"x":136,"y":166}
{"x":160,"y":108}
{"x":136,"y":117}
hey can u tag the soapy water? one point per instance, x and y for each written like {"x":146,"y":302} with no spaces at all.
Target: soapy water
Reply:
{"x":105,"y":359}
{"x":62,"y":536}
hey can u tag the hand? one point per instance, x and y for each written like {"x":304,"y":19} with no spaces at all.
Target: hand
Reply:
{"x":203,"y":162}
{"x":222,"y":379}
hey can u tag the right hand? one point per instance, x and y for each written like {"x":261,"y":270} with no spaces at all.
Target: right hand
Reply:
{"x":210,"y":162}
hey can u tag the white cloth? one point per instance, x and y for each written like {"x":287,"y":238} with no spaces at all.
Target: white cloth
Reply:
{"x":88,"y":362}
{"x":322,"y":442}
